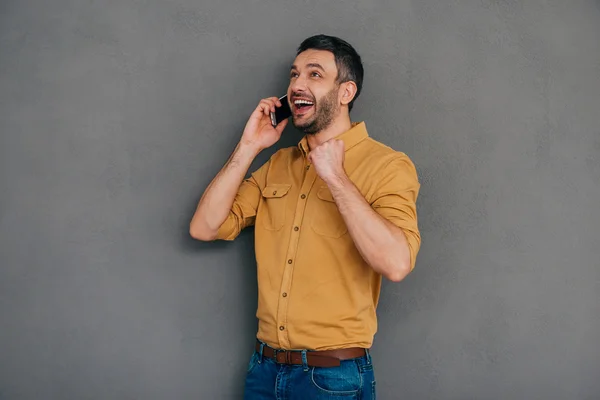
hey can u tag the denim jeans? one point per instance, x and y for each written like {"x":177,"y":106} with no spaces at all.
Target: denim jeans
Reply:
{"x":266,"y":379}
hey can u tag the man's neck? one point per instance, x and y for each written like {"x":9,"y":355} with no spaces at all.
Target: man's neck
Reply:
{"x":335,"y":129}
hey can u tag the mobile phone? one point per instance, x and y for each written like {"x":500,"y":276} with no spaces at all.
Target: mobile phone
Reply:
{"x":281,"y":113}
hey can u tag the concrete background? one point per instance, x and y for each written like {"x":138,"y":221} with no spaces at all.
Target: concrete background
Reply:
{"x":115,"y":115}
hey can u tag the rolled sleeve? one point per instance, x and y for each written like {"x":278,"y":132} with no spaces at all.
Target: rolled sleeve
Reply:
{"x":244,"y":208}
{"x":395,"y":199}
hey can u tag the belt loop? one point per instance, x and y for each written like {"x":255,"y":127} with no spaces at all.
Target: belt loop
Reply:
{"x":260,"y":351}
{"x":304,"y":361}
{"x":368,"y":353}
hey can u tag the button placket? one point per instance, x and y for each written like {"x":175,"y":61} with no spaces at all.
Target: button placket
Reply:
{"x":307,"y":184}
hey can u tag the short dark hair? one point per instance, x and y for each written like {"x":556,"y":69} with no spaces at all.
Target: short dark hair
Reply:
{"x":347,"y":60}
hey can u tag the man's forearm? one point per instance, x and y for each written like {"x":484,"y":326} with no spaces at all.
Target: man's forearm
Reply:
{"x":215,"y":204}
{"x":382,"y":245}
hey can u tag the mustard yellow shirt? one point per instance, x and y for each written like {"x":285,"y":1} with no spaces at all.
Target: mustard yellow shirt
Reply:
{"x":315,"y":291}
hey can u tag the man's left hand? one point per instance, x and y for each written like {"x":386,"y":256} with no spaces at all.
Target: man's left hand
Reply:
{"x":328,"y":159}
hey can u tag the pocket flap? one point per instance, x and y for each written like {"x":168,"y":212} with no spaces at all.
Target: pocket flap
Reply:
{"x":276,"y":190}
{"x":325,"y":194}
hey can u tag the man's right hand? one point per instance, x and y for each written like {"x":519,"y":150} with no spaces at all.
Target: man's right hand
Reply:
{"x":259,"y":133}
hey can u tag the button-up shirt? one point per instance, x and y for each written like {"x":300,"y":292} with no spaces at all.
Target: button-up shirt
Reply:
{"x":315,"y":291}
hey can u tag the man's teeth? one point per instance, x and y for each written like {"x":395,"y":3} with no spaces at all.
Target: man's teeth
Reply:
{"x":299,"y":102}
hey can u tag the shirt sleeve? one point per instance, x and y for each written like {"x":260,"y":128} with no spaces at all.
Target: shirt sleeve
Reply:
{"x":245,"y":205}
{"x":395,"y":199}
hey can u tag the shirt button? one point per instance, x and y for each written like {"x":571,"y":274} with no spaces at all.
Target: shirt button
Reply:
{"x":281,"y":328}
{"x":289,"y":261}
{"x":307,"y":167}
{"x":285,"y":295}
{"x":296,"y":228}
{"x":303,"y":196}
{"x":274,"y":193}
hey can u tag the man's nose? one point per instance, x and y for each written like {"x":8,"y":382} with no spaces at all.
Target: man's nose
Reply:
{"x":298,"y":85}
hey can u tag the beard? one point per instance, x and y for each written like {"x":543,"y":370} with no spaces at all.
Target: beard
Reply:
{"x":326,"y":109}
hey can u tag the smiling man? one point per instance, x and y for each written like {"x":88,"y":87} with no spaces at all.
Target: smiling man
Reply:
{"x":332,"y":216}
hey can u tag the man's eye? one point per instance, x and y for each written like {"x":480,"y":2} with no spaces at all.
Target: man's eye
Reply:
{"x":316,"y":74}
{"x":293,"y":75}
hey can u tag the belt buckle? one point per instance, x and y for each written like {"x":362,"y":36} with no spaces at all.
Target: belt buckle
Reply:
{"x":286,"y":359}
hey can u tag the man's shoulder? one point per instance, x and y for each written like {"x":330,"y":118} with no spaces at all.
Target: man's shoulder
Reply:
{"x":285,"y":154}
{"x":382,"y":154}
{"x":389,"y":168}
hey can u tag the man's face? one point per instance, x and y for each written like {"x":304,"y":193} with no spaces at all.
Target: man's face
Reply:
{"x":313,"y":91}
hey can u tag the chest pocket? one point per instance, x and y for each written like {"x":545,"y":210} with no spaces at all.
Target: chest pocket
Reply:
{"x":273,"y":210}
{"x":327,"y":220}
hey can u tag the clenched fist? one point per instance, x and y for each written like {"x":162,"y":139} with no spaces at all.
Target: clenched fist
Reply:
{"x":328,"y":160}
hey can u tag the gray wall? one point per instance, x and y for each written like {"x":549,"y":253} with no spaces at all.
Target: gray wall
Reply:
{"x":114,"y":116}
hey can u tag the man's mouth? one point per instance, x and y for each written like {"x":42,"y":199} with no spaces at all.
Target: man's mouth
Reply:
{"x":302,"y":106}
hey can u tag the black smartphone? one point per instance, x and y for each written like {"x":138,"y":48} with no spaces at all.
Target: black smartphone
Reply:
{"x":282,"y":112}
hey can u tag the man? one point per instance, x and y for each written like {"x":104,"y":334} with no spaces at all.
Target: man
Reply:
{"x":332,"y":216}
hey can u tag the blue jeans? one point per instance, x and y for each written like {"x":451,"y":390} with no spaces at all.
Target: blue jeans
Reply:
{"x":266,"y":379}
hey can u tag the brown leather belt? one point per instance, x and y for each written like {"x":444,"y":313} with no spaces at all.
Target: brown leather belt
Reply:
{"x":320,"y":358}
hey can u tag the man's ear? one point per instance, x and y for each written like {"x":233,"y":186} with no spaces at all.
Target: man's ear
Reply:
{"x":347,"y":92}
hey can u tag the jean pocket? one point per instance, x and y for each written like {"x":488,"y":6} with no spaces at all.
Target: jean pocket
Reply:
{"x":253,"y":362}
{"x":345,"y":380}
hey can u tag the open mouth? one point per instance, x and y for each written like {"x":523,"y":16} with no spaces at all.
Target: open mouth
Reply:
{"x":302,"y":106}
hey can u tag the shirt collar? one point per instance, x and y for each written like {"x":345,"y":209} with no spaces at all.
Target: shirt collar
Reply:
{"x":352,"y":137}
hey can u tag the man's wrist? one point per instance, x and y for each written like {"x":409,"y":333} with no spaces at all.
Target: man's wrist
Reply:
{"x":338,"y":181}
{"x":248,"y":150}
